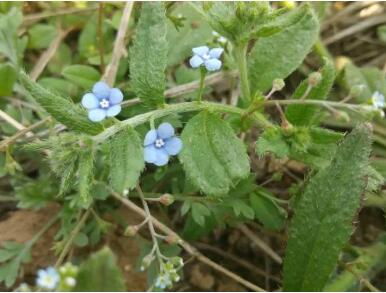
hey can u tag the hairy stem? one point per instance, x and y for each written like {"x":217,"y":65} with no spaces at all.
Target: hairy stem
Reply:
{"x":241,"y":58}
{"x":202,"y":83}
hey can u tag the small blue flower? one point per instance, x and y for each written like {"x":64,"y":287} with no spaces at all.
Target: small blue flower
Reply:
{"x":48,"y":278}
{"x":378,"y":100}
{"x":102,"y":102}
{"x":160,"y":144}
{"x":209,"y":58}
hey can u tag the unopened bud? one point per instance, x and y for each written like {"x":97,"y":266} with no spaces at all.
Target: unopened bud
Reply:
{"x":146,"y":261}
{"x":356,"y":90}
{"x":131,"y":231}
{"x":314,"y":78}
{"x":278,"y":84}
{"x":166,"y":199}
{"x":342,"y":116}
{"x":172,"y":239}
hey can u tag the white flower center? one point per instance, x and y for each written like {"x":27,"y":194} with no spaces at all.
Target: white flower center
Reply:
{"x":104,"y":103}
{"x":206,"y":56}
{"x":159,"y":143}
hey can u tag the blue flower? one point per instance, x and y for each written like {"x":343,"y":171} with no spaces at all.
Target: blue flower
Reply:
{"x":102,"y":102}
{"x":160,"y":144}
{"x":48,"y":278}
{"x":378,"y":100}
{"x":208,"y":58}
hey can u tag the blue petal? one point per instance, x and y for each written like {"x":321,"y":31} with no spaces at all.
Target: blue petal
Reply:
{"x":213,"y":64}
{"x":196,"y":61}
{"x":97,"y":115}
{"x":150,"y":137}
{"x":162,"y":157}
{"x":101,"y":90}
{"x":165,"y":130}
{"x":90,"y":101}
{"x":216,"y":52}
{"x":113,"y":111}
{"x":116,"y":96}
{"x":200,"y":51}
{"x":150,"y":154}
{"x":173,"y":146}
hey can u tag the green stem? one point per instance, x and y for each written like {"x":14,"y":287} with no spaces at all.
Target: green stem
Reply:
{"x":171,"y":109}
{"x":202,"y":82}
{"x":241,"y":58}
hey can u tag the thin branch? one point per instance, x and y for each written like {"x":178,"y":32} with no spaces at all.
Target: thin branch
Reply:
{"x":189,"y":87}
{"x":112,"y":68}
{"x":71,"y":238}
{"x":352,"y":30}
{"x":8,"y":141}
{"x":32,"y":18}
{"x":260,"y":243}
{"x":237,"y":260}
{"x":185,"y":245}
{"x":14,"y":122}
{"x":48,"y":54}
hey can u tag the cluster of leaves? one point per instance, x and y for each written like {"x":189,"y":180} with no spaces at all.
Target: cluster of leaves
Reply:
{"x":216,"y":184}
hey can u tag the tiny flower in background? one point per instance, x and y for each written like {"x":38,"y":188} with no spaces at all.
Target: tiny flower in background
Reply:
{"x":378,"y":100}
{"x":23,"y":288}
{"x":219,"y":38}
{"x":48,"y":278}
{"x":206,"y":57}
{"x":102,"y":102}
{"x":163,"y":281}
{"x":70,"y":281}
{"x":160,"y":144}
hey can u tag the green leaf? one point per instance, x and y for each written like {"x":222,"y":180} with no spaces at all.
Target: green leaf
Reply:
{"x":240,"y":207}
{"x":126,"y":159}
{"x":195,"y":30}
{"x":213,"y":157}
{"x":60,"y":86}
{"x":306,"y":114}
{"x":199,"y":213}
{"x":9,"y":42}
{"x":266,"y":210}
{"x":82,"y":75}
{"x":279,"y":55}
{"x":271,"y":141}
{"x":86,"y":168}
{"x":41,"y":35}
{"x":8,"y":78}
{"x":148,"y":55}
{"x":323,"y":217}
{"x":60,"y":108}
{"x":100,"y":273}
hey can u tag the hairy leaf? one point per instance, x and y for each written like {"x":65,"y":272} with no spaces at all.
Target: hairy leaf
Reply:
{"x":323,"y":217}
{"x":212,"y":156}
{"x":306,"y":114}
{"x":279,"y":55}
{"x":126,"y":159}
{"x":60,"y":108}
{"x":148,"y":56}
{"x":82,"y":75}
{"x":100,"y":273}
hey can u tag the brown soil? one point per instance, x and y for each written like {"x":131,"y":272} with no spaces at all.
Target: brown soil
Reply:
{"x":22,"y":225}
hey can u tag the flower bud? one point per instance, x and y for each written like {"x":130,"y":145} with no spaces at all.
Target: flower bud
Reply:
{"x":342,"y":116}
{"x":166,"y":199}
{"x":314,"y":78}
{"x":131,"y":230}
{"x":146,"y":261}
{"x":172,"y":239}
{"x":278,"y":84}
